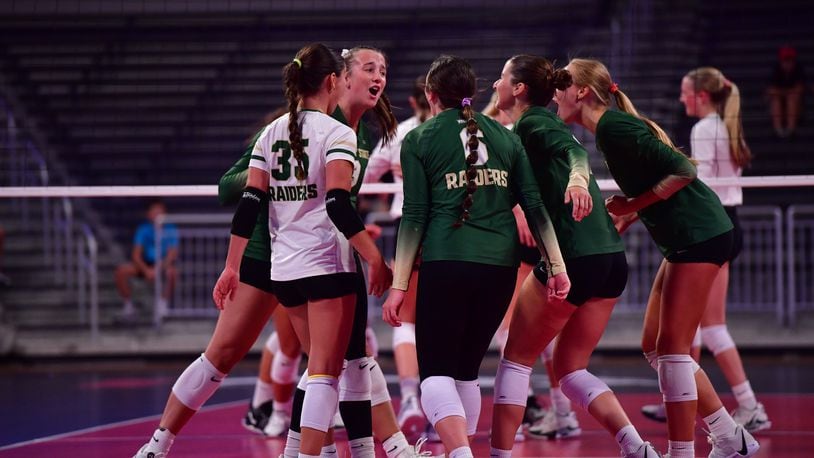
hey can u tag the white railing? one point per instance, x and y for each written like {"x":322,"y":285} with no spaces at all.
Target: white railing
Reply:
{"x":202,"y":244}
{"x":87,"y":284}
{"x":799,"y":260}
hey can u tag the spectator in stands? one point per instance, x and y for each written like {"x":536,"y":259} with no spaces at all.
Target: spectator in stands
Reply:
{"x":786,"y":92}
{"x":4,"y":280}
{"x":143,"y":258}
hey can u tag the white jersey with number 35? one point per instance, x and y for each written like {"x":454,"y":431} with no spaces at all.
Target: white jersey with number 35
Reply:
{"x":304,"y":241}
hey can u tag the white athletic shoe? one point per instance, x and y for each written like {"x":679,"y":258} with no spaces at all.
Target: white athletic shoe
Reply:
{"x":411,"y":418}
{"x":143,"y":453}
{"x":338,"y":422}
{"x":739,"y":444}
{"x":277,"y":424}
{"x":644,"y":451}
{"x":416,"y":452}
{"x":753,"y":420}
{"x":555,"y":426}
{"x":655,"y":412}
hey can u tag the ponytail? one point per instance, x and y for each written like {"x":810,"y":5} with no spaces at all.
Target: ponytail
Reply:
{"x":738,"y":149}
{"x":624,"y":104}
{"x":468,"y":114}
{"x":291,"y":77}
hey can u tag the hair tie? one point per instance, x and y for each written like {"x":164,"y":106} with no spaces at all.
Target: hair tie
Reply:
{"x":298,"y":62}
{"x":467,"y":101}
{"x":614,"y":88}
{"x":345,"y":53}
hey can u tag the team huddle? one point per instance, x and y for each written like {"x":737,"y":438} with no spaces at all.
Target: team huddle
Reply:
{"x":477,"y":197}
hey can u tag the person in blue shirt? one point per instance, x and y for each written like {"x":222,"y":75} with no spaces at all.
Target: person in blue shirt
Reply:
{"x":143,"y":259}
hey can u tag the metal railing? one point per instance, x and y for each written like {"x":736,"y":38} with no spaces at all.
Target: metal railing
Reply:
{"x":87,"y":274}
{"x":799,"y":260}
{"x":203,"y":240}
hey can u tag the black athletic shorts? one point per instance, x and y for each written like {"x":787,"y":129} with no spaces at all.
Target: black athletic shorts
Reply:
{"x":529,"y":254}
{"x":256,"y":273}
{"x":737,"y":232}
{"x":717,"y":250}
{"x":596,"y":275}
{"x":297,"y":292}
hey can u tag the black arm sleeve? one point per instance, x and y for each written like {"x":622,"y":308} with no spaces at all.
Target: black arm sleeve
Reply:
{"x":247,"y":211}
{"x":342,"y":213}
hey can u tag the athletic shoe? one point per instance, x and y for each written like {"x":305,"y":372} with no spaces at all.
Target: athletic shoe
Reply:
{"x":554,"y":426}
{"x":753,"y":420}
{"x":739,"y":444}
{"x":143,"y":453}
{"x":655,"y":412}
{"x":256,"y":418}
{"x":277,"y":425}
{"x":430,"y":434}
{"x":411,"y":418}
{"x":534,"y":411}
{"x":416,"y":451}
{"x":339,"y":423}
{"x":644,"y":451}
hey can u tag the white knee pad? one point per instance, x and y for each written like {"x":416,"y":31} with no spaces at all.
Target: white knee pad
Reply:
{"x":378,"y":385}
{"x":440,"y":399}
{"x":469,"y":392}
{"x":696,"y":340}
{"x":717,"y":338}
{"x":548,"y":354}
{"x":652,"y":358}
{"x":273,"y":343}
{"x":512,"y":383}
{"x":677,"y":378}
{"x":197,"y":383}
{"x":582,"y":387}
{"x":404,"y":334}
{"x":372,"y":342}
{"x":354,"y":383}
{"x":321,"y":401}
{"x":284,"y":368}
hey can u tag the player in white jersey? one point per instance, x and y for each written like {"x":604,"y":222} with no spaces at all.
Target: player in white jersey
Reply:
{"x":306,"y":161}
{"x":717,"y":143}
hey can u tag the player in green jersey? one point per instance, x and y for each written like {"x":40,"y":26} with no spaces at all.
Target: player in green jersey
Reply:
{"x":688,"y":224}
{"x":594,"y":256}
{"x":463,"y":174}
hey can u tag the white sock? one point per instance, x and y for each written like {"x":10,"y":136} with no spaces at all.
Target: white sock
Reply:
{"x":745,"y":396}
{"x":629,"y":439}
{"x":561,"y":403}
{"x":395,"y":445}
{"x":499,"y":453}
{"x":681,"y":449}
{"x":328,"y":451}
{"x":263,"y":392}
{"x":409,"y":386}
{"x":292,"y":445}
{"x":720,"y":423}
{"x":362,"y":448}
{"x":461,"y":452}
{"x":303,"y":455}
{"x":161,"y":441}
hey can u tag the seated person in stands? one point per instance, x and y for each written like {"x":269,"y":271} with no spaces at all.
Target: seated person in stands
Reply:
{"x":786,"y":92}
{"x":143,"y":258}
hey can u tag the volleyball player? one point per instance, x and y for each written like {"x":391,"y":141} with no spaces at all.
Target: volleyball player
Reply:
{"x":691,"y":229}
{"x":386,"y":158}
{"x":717,"y":143}
{"x":594,"y":256}
{"x":463,"y":174}
{"x":313,"y":270}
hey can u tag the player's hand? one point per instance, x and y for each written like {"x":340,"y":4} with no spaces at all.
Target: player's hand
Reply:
{"x":373,"y":230}
{"x":558,"y":286}
{"x":619,"y":205}
{"x":225,"y":287}
{"x":392,"y":307}
{"x":581,"y":200}
{"x":621,"y":223}
{"x":381,"y":277}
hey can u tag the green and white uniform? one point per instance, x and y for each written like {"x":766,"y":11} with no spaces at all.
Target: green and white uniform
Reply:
{"x":640,"y":162}
{"x":433,"y":160}
{"x":559,"y":162}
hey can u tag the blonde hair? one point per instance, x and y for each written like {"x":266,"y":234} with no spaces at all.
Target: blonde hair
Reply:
{"x":594,"y":75}
{"x":726,"y":98}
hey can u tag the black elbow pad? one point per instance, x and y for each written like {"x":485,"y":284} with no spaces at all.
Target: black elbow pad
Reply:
{"x":247,"y":211}
{"x":342,"y":213}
